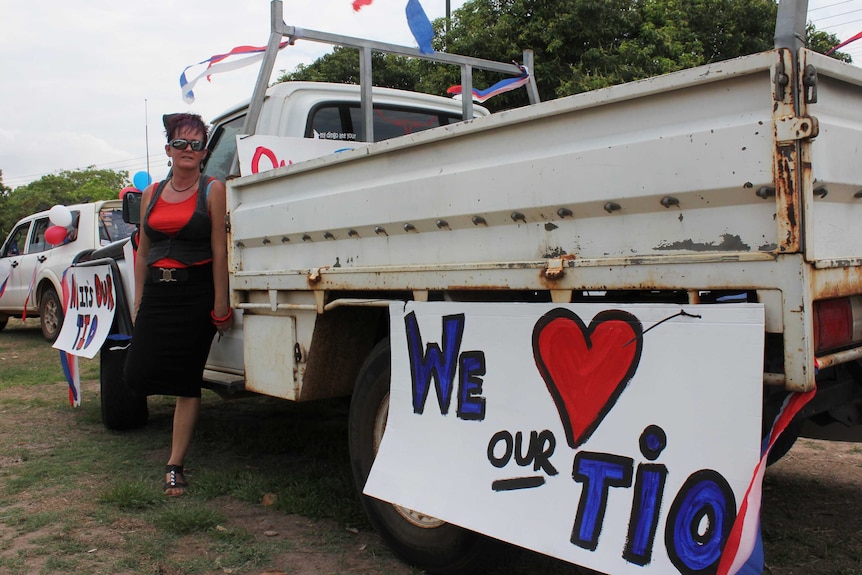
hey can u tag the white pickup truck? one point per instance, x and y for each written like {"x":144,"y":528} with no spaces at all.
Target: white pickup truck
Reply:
{"x":732,"y":182}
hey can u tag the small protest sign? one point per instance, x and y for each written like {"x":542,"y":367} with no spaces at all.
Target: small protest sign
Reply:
{"x":89,"y":312}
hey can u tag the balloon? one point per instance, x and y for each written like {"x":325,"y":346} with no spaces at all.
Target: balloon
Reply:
{"x":128,"y":189}
{"x":60,"y":216}
{"x":55,"y":235}
{"x":142,"y":180}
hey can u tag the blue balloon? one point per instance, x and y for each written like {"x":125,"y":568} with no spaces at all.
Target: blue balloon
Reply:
{"x":142,"y":180}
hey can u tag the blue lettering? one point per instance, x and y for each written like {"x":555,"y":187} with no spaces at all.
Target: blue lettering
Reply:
{"x":598,"y":472}
{"x":93,"y":325}
{"x":440,"y":365}
{"x":649,"y":488}
{"x":471,"y":405}
{"x":699,"y":522}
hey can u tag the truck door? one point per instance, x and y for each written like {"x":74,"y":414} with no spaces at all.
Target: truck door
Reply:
{"x":12,"y":269}
{"x":34,"y":258}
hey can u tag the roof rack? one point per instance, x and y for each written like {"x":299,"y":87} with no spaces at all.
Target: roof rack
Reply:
{"x":279,"y":31}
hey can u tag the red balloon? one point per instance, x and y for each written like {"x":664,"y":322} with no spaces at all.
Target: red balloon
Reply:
{"x":128,"y":189}
{"x":55,"y":235}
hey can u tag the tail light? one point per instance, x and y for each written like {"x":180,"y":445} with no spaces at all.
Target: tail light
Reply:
{"x":837,"y":323}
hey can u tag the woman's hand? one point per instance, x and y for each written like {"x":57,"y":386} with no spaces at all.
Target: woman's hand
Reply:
{"x":222,"y":322}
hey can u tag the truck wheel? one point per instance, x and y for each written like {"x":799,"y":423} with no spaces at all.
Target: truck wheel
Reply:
{"x":426,"y":542}
{"x":50,"y":314}
{"x":122,"y":408}
{"x":784,"y":442}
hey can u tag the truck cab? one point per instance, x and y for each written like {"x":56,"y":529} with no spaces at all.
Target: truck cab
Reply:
{"x":327,"y":111}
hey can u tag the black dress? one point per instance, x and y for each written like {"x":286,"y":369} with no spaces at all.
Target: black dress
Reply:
{"x":173,"y":330}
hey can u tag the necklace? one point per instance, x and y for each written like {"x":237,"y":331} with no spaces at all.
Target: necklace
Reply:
{"x":184,"y":189}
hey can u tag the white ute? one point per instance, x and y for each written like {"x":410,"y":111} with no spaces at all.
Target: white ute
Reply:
{"x":736,"y":181}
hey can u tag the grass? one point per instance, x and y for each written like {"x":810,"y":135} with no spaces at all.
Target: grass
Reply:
{"x":110,"y":483}
{"x":23,"y":358}
{"x":186,"y":517}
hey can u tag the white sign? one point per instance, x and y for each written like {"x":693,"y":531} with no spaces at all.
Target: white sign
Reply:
{"x":622,"y":439}
{"x":262,"y":153}
{"x":89,"y":310}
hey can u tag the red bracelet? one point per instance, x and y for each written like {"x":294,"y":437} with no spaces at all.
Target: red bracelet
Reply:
{"x":224,"y":319}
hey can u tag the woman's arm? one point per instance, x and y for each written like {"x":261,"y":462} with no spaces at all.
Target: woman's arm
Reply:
{"x":142,"y":253}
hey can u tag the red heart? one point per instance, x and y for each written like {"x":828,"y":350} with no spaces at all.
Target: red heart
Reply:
{"x":586,"y":368}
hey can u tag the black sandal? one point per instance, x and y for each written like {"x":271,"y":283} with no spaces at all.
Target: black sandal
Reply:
{"x":173,"y":483}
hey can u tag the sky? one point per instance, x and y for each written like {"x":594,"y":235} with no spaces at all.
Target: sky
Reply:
{"x":86,"y":83}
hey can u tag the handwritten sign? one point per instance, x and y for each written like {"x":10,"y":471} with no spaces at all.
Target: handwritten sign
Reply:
{"x":89,"y":312}
{"x":617,"y":438}
{"x":261,"y":153}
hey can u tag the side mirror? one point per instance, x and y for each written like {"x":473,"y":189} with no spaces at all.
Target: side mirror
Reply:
{"x":132,"y":207}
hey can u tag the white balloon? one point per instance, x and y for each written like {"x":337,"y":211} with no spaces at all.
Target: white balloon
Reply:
{"x":60,"y":216}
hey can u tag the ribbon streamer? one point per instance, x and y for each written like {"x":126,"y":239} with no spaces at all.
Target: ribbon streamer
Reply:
{"x":68,"y":361}
{"x":506,"y":85}
{"x":743,"y":552}
{"x":217,"y":65}
{"x":420,"y":26}
{"x":29,"y":293}
{"x":845,"y":42}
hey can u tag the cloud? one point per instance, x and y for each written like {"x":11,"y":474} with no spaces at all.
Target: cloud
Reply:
{"x":86,"y":83}
{"x":25,"y":156}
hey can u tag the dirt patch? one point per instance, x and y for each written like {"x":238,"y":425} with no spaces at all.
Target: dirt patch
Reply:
{"x":812,"y":510}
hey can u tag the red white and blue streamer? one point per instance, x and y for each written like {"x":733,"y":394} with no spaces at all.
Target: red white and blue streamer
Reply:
{"x":29,"y":292}
{"x":3,"y":286}
{"x":500,"y":87}
{"x":68,"y":361}
{"x":73,"y":377}
{"x":743,"y":552}
{"x":845,"y":42}
{"x":420,"y":26}
{"x":218,"y":64}
{"x":418,"y":22}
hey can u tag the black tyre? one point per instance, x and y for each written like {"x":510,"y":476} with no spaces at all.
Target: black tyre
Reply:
{"x":122,"y":408}
{"x":50,"y":314}
{"x":420,"y":540}
{"x":784,"y":442}
{"x":3,"y":320}
{"x":772,"y":401}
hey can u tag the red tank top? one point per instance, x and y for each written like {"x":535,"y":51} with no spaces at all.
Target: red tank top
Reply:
{"x":169,"y":218}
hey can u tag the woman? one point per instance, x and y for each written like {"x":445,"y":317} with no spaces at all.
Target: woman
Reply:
{"x":181,"y":285}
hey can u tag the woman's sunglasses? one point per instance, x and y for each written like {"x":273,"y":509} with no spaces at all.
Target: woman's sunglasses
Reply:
{"x":180,"y":144}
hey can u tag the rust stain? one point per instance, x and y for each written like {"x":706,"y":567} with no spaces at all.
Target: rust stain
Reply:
{"x":786,"y":196}
{"x":841,"y":282}
{"x":729,"y":243}
{"x":557,"y":252}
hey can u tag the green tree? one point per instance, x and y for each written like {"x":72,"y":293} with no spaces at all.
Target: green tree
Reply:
{"x":579,"y":45}
{"x":66,"y":187}
{"x":582,"y":45}
{"x":823,"y":42}
{"x":4,"y":190}
{"x":342,"y":65}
